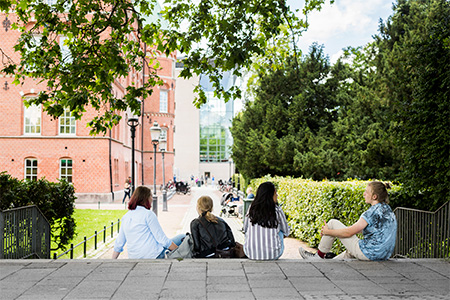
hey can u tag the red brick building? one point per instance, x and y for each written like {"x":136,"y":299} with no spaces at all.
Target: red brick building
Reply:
{"x":34,"y":145}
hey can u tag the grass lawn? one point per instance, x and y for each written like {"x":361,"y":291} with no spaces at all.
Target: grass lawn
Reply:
{"x":88,"y":221}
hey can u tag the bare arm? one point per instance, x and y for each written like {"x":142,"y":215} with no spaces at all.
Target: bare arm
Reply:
{"x":345,"y":232}
{"x":115,"y":255}
{"x":173,"y":246}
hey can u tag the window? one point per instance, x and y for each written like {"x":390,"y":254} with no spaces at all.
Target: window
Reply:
{"x":67,"y":123}
{"x":66,"y":55}
{"x":65,"y":170}
{"x":116,"y":171}
{"x":213,"y":144}
{"x":32,"y":47}
{"x":32,"y":116}
{"x":163,"y":101}
{"x":31,"y":168}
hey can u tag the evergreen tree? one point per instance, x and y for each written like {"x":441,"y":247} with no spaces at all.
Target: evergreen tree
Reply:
{"x":414,"y":62}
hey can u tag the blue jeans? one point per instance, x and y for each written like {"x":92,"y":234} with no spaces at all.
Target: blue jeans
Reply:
{"x":176,"y":240}
{"x":281,"y":235}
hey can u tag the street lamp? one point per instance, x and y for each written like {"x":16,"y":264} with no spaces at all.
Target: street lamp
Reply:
{"x":162,"y":148}
{"x":155,"y":131}
{"x":229,"y":165}
{"x":133,"y":123}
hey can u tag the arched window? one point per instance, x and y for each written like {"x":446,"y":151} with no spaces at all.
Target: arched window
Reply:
{"x":65,"y":169}
{"x":163,"y":101}
{"x":67,"y":123}
{"x":31,"y":169}
{"x":32,"y":120}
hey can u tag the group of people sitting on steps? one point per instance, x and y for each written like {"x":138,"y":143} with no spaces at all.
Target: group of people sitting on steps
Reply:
{"x":265,"y":227}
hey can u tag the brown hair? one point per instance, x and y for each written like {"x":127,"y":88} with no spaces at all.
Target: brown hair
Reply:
{"x":380,"y":189}
{"x":205,"y":206}
{"x":140,"y":197}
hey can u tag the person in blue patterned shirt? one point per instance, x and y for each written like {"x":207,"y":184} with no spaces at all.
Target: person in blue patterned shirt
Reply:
{"x":378,"y":226}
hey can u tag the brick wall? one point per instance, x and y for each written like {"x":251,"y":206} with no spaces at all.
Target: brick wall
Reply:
{"x":90,"y":154}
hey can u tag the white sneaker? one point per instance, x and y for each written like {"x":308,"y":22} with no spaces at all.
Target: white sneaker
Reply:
{"x":308,"y":255}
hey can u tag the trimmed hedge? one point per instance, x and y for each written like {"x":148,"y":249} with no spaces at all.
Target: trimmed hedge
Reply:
{"x":55,"y":200}
{"x":308,"y":204}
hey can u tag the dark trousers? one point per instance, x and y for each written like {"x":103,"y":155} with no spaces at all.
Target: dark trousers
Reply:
{"x":127,"y":193}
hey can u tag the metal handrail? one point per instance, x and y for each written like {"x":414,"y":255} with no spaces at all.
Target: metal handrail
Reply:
{"x":84,"y":242}
{"x":24,"y":232}
{"x":423,"y":234}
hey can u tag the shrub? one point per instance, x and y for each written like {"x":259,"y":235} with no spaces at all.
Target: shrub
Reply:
{"x":55,"y":200}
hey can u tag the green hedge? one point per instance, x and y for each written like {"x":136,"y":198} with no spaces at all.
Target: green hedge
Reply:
{"x":307,"y":204}
{"x":55,"y":200}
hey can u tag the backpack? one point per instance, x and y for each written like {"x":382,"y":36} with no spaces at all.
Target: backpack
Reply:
{"x":185,"y":250}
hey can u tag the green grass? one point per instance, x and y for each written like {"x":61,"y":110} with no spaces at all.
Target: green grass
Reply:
{"x":88,"y":221}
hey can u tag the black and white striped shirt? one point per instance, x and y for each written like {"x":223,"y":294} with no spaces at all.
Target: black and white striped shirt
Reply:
{"x":263,"y":243}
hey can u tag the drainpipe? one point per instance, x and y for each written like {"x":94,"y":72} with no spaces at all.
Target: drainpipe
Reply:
{"x":142,"y":117}
{"x":110,"y":167}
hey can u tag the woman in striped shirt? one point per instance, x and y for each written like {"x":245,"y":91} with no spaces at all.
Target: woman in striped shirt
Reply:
{"x":265,"y":225}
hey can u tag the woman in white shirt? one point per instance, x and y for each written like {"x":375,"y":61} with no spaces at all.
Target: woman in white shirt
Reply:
{"x":141,"y":231}
{"x":265,"y":225}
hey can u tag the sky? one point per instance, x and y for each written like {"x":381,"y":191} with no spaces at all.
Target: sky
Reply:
{"x":342,"y":24}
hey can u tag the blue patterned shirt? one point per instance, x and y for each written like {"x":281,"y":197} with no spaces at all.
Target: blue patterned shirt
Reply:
{"x":380,"y":233}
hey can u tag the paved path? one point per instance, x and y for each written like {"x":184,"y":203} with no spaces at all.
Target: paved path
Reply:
{"x":223,"y":279}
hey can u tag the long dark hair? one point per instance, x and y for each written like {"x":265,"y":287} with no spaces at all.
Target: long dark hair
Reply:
{"x":262,"y":211}
{"x":140,"y":197}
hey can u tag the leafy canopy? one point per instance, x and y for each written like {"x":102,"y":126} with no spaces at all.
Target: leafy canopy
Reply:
{"x":104,"y":40}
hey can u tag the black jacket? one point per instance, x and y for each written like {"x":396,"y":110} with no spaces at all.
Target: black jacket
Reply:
{"x":203,"y":244}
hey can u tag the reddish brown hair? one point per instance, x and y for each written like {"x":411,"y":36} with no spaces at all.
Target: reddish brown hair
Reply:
{"x":140,"y":197}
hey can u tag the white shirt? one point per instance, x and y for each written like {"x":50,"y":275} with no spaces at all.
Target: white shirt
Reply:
{"x":143,"y":234}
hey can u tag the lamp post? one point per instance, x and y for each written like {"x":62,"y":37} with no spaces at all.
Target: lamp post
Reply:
{"x":162,"y":148}
{"x":155,"y":131}
{"x":230,"y":161}
{"x":133,"y":123}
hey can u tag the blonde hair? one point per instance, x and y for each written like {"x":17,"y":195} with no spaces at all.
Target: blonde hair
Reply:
{"x":205,"y":206}
{"x":380,"y":189}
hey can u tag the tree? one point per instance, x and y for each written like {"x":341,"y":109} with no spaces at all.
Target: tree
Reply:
{"x":107,"y":38}
{"x":318,"y":121}
{"x":362,"y":134}
{"x":294,"y":105}
{"x":414,"y":62}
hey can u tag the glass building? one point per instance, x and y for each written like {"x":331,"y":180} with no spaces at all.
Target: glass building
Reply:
{"x":215,"y":121}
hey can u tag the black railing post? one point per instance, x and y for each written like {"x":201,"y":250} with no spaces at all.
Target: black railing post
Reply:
{"x":118,"y":225}
{"x":112,"y":228}
{"x":84,"y":247}
{"x":2,"y":234}
{"x":54,"y":255}
{"x":104,"y":234}
{"x":71,"y":251}
{"x":34,"y":230}
{"x":95,"y":240}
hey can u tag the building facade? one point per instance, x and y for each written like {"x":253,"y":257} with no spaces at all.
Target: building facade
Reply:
{"x":202,"y":137}
{"x":34,"y":145}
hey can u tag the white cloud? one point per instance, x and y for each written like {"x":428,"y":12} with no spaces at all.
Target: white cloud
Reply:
{"x":345,"y":23}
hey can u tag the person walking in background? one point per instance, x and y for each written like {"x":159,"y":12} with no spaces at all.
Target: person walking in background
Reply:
{"x":378,"y":226}
{"x":265,"y":225}
{"x":208,"y":231}
{"x":126,"y":189}
{"x":141,"y":231}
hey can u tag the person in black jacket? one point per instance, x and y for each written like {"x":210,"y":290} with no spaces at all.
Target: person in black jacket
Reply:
{"x":209,"y":231}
